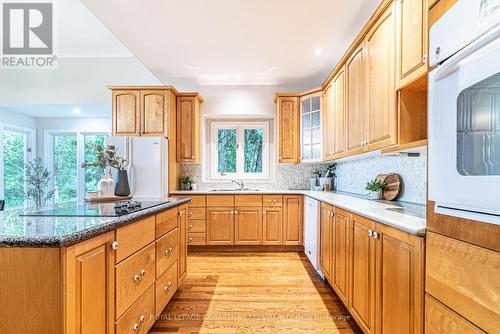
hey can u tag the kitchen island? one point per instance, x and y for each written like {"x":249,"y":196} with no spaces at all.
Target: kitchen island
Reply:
{"x":94,"y":274}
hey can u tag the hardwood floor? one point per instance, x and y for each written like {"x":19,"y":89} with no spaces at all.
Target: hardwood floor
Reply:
{"x":254,"y":293}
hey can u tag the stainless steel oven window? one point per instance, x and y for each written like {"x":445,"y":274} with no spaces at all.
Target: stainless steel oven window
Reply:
{"x":478,"y":128}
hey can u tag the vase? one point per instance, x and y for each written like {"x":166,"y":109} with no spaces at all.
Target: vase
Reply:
{"x":122,"y":188}
{"x":106,"y":185}
{"x":374,"y":195}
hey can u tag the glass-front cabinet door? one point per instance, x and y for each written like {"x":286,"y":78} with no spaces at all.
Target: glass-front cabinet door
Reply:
{"x":310,"y":128}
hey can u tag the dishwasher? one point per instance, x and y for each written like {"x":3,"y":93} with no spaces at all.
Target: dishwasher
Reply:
{"x":311,"y":232}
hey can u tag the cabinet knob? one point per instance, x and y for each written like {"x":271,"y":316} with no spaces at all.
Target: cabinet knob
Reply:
{"x":375,"y":235}
{"x":167,"y":287}
{"x":424,"y":58}
{"x":136,"y":278}
{"x":190,"y":240}
{"x":190,"y":226}
{"x":190,"y":213}
{"x":192,"y":157}
{"x":370,"y":232}
{"x":181,"y":213}
{"x":279,"y":158}
{"x":263,"y":212}
{"x":143,"y":272}
{"x":114,"y":245}
{"x":168,"y":251}
{"x":236,"y":212}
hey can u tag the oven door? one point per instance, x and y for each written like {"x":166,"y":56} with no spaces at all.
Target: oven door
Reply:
{"x":464,"y":132}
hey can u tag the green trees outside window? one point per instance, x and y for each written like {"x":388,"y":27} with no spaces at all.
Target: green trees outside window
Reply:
{"x":14,"y":145}
{"x":92,"y":174}
{"x":65,"y":168}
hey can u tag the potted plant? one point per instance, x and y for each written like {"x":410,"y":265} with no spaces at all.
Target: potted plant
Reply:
{"x":186,"y":182}
{"x":375,"y":188}
{"x":108,"y":157}
{"x":37,"y":182}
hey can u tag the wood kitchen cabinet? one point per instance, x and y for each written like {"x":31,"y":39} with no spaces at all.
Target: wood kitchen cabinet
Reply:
{"x":220,"y":226}
{"x":288,"y":135}
{"x":341,"y":243}
{"x":188,"y":128}
{"x":362,"y":273}
{"x":272,"y":225}
{"x":412,"y":36}
{"x":356,"y":100}
{"x":248,"y":226}
{"x":334,"y":118}
{"x":142,"y":112}
{"x":380,"y":93}
{"x":311,"y":108}
{"x":328,"y":122}
{"x":326,"y":240}
{"x":183,"y":229}
{"x":292,"y":219}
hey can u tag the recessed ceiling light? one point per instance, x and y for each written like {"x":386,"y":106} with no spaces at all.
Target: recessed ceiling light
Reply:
{"x":76,"y":111}
{"x":317,"y":51}
{"x":237,"y":76}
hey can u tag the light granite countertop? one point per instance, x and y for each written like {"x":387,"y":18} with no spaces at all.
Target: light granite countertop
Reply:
{"x":22,"y":231}
{"x":408,"y":217}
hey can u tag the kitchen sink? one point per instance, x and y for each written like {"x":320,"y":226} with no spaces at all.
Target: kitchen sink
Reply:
{"x":230,"y":190}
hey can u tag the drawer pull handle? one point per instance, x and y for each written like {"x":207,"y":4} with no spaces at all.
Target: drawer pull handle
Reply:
{"x":167,"y":288}
{"x":168,"y":251}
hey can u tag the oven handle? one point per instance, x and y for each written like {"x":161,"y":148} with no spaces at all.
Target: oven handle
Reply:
{"x":454,"y":61}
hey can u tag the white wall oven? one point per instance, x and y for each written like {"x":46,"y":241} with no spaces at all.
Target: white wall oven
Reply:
{"x":464,"y":111}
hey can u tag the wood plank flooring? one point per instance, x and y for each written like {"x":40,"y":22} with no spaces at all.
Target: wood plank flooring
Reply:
{"x":254,"y":293}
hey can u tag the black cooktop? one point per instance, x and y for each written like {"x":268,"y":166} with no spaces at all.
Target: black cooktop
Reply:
{"x":115,"y":209}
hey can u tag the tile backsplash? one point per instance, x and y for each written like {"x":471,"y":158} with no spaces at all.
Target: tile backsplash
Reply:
{"x":287,"y":176}
{"x":353,"y":175}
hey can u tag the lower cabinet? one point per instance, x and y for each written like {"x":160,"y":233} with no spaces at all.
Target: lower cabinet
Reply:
{"x":272,"y":226}
{"x":376,"y":270}
{"x":220,"y":226}
{"x":292,"y":219}
{"x":248,"y":226}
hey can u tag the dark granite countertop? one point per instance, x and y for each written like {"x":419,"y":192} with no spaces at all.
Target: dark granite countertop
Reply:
{"x":18,"y":231}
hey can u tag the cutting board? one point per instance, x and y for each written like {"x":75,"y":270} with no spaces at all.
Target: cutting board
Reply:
{"x":108,"y":199}
{"x":393,"y":185}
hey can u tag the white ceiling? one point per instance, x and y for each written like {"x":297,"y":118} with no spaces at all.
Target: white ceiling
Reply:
{"x":190,"y":43}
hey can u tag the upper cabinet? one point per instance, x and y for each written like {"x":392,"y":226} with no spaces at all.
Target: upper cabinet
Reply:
{"x":356,"y":100}
{"x":310,"y":127}
{"x":412,"y":40}
{"x":328,"y":122}
{"x":381,"y":96}
{"x":141,"y":112}
{"x":188,"y":128}
{"x":288,"y":128}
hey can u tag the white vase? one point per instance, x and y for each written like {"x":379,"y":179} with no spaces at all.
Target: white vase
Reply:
{"x":374,"y":195}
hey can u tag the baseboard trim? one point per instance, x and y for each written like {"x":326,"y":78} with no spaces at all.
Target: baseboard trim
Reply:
{"x":245,"y":248}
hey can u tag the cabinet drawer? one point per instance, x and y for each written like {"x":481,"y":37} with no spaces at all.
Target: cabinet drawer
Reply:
{"x":441,"y":320}
{"x":135,"y":236}
{"x":220,"y":200}
{"x":197,"y":239}
{"x":165,"y":222}
{"x":166,"y":286}
{"x":248,"y":200}
{"x":133,"y":277}
{"x":272,"y":200}
{"x":197,"y":226}
{"x":167,"y":251}
{"x":196,"y":213}
{"x":463,"y":277}
{"x":198,"y":200}
{"x":140,"y":317}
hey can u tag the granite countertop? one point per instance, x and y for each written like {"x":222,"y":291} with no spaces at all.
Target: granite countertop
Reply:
{"x":19,"y":231}
{"x":409,"y":217}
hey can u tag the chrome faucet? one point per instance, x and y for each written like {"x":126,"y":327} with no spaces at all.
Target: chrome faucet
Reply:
{"x":240,"y":184}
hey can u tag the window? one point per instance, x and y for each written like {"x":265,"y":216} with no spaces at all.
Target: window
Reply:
{"x":65,"y":153}
{"x":240,"y":150}
{"x":311,"y":129}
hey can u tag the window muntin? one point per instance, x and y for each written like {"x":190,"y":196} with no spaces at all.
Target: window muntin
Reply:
{"x":311,"y":128}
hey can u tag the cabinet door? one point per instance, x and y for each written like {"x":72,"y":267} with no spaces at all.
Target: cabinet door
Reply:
{"x":272,"y":226}
{"x":399,"y":281}
{"x":154,"y":112}
{"x":381,"y":96}
{"x":356,"y":101}
{"x":188,"y":128}
{"x":248,"y":226}
{"x":220,"y":226}
{"x":340,"y":271}
{"x":288,"y":129}
{"x":310,"y":127}
{"x":326,"y":245}
{"x":292,"y":220}
{"x":362,"y":273}
{"x":90,"y":283}
{"x":328,"y":122}
{"x":126,"y":113}
{"x":339,"y":118}
{"x":182,"y":216}
{"x":412,"y":40}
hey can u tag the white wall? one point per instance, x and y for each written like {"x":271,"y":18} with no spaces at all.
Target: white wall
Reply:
{"x":17,"y":119}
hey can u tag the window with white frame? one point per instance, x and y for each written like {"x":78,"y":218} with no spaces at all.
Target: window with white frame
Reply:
{"x":239,"y":150}
{"x":16,"y":146}
{"x":65,"y":151}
